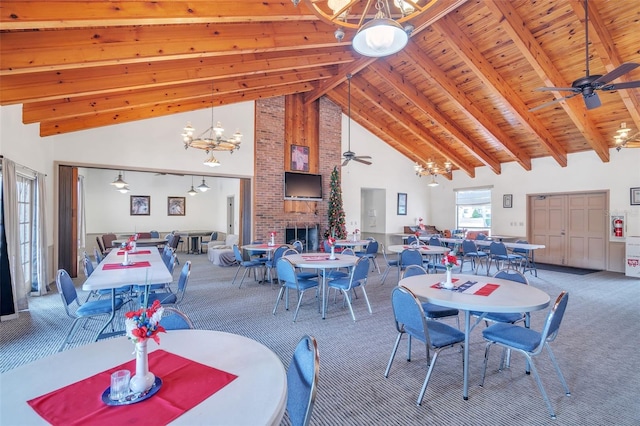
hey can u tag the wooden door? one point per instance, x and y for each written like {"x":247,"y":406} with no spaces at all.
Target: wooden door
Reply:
{"x":547,"y":227}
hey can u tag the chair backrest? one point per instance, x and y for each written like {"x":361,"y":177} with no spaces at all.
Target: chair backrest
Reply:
{"x":174,"y":319}
{"x":290,"y":251}
{"x":554,"y":319}
{"x":154,"y":234}
{"x":286,"y":271}
{"x":97,"y":254}
{"x":359,"y":272}
{"x":144,"y":234}
{"x":172,"y":263}
{"x":496,"y":248}
{"x":408,"y":312}
{"x":237,"y":254}
{"x":277,"y":254}
{"x":298,"y":246}
{"x":410,"y":257}
{"x":511,"y":275}
{"x":413,"y":270}
{"x":481,"y":236}
{"x":372,"y":247}
{"x":521,"y":250}
{"x":434,"y":241}
{"x":348,"y":251}
{"x":88,"y":266}
{"x":174,"y":241}
{"x":183,"y":280}
{"x":412,"y":239}
{"x":469,"y":246}
{"x":66,"y":289}
{"x":302,"y":381}
{"x":107,"y":240}
{"x":327,"y":247}
{"x":100,"y":244}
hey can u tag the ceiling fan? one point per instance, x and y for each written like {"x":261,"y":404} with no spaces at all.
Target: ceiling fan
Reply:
{"x":587,"y":85}
{"x":348,"y":154}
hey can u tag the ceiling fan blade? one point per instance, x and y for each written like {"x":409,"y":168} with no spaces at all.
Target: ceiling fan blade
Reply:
{"x":557,"y":89}
{"x":592,"y":101}
{"x":345,"y":162}
{"x":620,"y":71}
{"x":360,"y":160}
{"x":555,"y":101}
{"x":623,"y":85}
{"x":363,"y":156}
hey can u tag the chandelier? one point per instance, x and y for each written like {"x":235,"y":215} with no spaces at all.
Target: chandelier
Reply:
{"x":624,"y":139}
{"x":386,"y":30}
{"x":433,"y":170}
{"x":210,"y":140}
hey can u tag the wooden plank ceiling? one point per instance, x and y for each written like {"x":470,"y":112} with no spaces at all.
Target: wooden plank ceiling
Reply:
{"x":460,"y":91}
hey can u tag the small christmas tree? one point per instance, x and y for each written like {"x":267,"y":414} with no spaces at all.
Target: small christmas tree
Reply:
{"x":337,"y":227}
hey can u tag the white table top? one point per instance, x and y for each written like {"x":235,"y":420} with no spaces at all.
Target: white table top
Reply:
{"x":321,"y":260}
{"x":487,"y":243}
{"x":509,"y":297}
{"x":423,"y":249}
{"x":263,"y":247}
{"x":141,"y":242}
{"x":352,"y":243}
{"x":114,"y":278}
{"x":257,"y":396}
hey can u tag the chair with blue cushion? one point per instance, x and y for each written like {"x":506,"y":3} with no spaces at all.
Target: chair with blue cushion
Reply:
{"x":527,"y":263}
{"x":391,"y":263}
{"x":270,"y":264}
{"x":297,"y":244}
{"x":530,"y":343}
{"x":357,"y":279}
{"x":498,"y":254}
{"x":248,"y":265}
{"x":476,"y":257}
{"x":174,"y":319}
{"x":409,"y":257}
{"x":83,"y":311}
{"x":124,"y":291}
{"x":97,"y":255}
{"x":371,"y":252}
{"x":154,"y":234}
{"x":172,"y":260}
{"x":510,"y":318}
{"x":431,"y":310}
{"x":302,"y":381}
{"x":169,"y":297}
{"x":413,"y":240}
{"x":286,"y":273}
{"x":410,"y":319}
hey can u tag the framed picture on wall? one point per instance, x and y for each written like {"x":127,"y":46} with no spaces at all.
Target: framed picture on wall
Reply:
{"x":300,"y":158}
{"x":402,"y":204}
{"x":176,"y":206}
{"x":507,"y":201}
{"x":635,"y":196}
{"x":140,"y":205}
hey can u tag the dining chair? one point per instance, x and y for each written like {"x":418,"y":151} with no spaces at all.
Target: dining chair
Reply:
{"x":357,"y":279}
{"x":101,"y":246}
{"x":302,"y":381}
{"x":83,"y":311}
{"x":431,"y":310}
{"x":107,"y":240}
{"x":498,"y":254}
{"x":409,"y":257}
{"x":97,"y":255}
{"x":510,"y":318}
{"x":526,"y":259}
{"x":171,"y":264}
{"x":476,"y":257}
{"x":270,"y":263}
{"x":530,"y":343}
{"x":390,"y":263}
{"x":410,"y":319}
{"x":371,"y":251}
{"x":124,"y":291}
{"x":297,"y":244}
{"x":154,"y":234}
{"x":169,"y":297}
{"x":301,"y":273}
{"x":286,"y":273}
{"x":246,"y":264}
{"x":174,"y":319}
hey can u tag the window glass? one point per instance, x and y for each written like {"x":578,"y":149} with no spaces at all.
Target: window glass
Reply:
{"x":473,"y":209}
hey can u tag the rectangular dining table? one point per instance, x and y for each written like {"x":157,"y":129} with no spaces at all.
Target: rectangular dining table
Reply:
{"x":486,"y":294}
{"x":147,"y":268}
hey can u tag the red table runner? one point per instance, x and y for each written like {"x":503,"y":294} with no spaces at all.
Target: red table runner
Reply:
{"x":185,"y":384}
{"x":121,"y":252}
{"x":109,"y":266}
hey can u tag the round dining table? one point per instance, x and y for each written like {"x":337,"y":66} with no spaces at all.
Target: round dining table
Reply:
{"x":479,"y":294}
{"x":257,"y":396}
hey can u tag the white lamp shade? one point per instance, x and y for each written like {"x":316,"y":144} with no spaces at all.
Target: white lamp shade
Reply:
{"x":380,"y":37}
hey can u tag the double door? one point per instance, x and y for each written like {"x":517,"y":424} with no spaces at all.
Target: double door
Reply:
{"x":573,"y":227}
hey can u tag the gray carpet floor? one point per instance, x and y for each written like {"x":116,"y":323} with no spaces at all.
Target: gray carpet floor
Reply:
{"x":597,"y":351}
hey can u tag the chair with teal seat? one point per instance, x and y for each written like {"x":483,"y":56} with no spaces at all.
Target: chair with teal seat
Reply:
{"x":289,"y":280}
{"x":390,"y":263}
{"x":431,"y":310}
{"x":356,"y":279}
{"x":169,"y":297}
{"x":248,"y":265}
{"x":302,"y":381}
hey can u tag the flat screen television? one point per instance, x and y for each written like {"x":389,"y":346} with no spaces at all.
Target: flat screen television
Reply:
{"x":302,"y":186}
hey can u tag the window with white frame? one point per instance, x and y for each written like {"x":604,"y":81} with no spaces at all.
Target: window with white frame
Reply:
{"x":473,"y":209}
{"x":25,"y":186}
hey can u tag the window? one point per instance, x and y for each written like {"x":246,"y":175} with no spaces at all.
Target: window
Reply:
{"x":26,"y":223}
{"x":473,"y":209}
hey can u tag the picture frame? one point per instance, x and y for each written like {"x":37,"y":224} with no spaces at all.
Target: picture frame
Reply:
{"x":635,"y":196}
{"x":176,"y":206}
{"x":300,"y":158}
{"x":402,"y":204}
{"x":507,"y":201}
{"x":139,"y":205}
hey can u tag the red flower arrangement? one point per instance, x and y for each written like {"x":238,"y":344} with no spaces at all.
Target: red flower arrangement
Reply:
{"x":331,"y":241}
{"x":450,"y":260}
{"x":272,"y":234}
{"x":145,"y":323}
{"x":356,"y":231}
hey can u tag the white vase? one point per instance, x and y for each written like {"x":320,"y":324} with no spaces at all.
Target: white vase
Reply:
{"x":143,"y":379}
{"x":448,"y":283}
{"x":333,"y":253}
{"x":126,"y":257}
{"x":273,"y":241}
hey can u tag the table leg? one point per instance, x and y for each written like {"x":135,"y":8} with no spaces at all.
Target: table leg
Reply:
{"x":324,"y":304}
{"x":465,"y":367}
{"x":101,"y":334}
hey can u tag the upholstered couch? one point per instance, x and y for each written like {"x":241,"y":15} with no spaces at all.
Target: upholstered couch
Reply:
{"x":224,"y":248}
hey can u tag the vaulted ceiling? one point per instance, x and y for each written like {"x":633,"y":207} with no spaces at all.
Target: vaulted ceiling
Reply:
{"x":461,"y":90}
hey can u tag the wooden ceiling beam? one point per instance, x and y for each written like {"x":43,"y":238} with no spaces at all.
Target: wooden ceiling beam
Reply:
{"x":53,"y":127}
{"x":23,"y":15}
{"x":77,"y":106}
{"x":459,"y":43}
{"x":513,"y":24}
{"x":430,"y":70}
{"x":104,"y":80}
{"x":411,"y":93}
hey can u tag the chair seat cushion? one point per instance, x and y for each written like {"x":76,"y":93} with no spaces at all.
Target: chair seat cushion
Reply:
{"x":302,"y":284}
{"x":96,"y":307}
{"x":436,"y":311}
{"x":307,"y":275}
{"x":343,"y":283}
{"x":513,"y":335}
{"x":442,"y":334}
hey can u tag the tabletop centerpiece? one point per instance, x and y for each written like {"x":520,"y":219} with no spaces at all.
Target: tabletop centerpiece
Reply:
{"x":272,"y":238}
{"x":332,"y":244}
{"x":355,"y":234}
{"x":449,"y":260}
{"x":142,"y":325}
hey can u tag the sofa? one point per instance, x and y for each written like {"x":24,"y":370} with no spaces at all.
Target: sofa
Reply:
{"x":220,"y":252}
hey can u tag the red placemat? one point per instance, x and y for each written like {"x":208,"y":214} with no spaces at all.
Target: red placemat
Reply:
{"x":109,"y":266}
{"x":185,"y":384}
{"x":121,"y":252}
{"x":486,"y":289}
